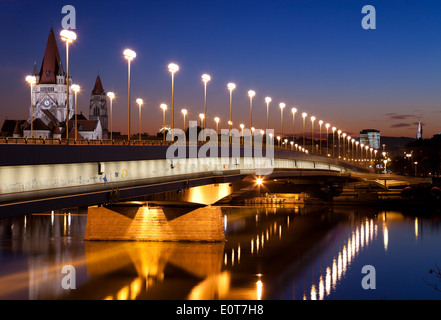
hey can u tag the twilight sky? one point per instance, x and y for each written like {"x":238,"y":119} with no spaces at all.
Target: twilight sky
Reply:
{"x":311,"y":54}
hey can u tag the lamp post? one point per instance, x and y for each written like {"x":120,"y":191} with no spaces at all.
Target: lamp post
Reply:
{"x":304,"y":115}
{"x":205,"y":79}
{"x":338,"y":134}
{"x":68,"y":36}
{"x":184,"y":113}
{"x":352,"y":149}
{"x":251,"y":94}
{"x":367,"y":149}
{"x":293,"y":111}
{"x":333,"y":141}
{"x":320,"y":143}
{"x":111,"y":96}
{"x":327,"y":138}
{"x":173,"y":68}
{"x":282,"y":106}
{"x":32,"y":80}
{"x":216,"y":119}
{"x":201,"y":116}
{"x":312,"y":134}
{"x":242,"y":138}
{"x":343,"y":148}
{"x":231,"y":86}
{"x":361,"y":151}
{"x":163,"y":107}
{"x":139,"y":102}
{"x":129,"y":55}
{"x":356,"y":150}
{"x":267,"y":100}
{"x":76,"y":89}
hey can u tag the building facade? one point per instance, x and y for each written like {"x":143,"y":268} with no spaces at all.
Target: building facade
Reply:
{"x":371,"y":138}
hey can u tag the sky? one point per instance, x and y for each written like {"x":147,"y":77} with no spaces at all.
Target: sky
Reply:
{"x":310,"y":54}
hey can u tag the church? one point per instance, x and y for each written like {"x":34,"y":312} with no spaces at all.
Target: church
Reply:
{"x":49,"y":104}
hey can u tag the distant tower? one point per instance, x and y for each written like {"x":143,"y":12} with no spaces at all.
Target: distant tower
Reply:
{"x":98,"y":105}
{"x":419,"y":134}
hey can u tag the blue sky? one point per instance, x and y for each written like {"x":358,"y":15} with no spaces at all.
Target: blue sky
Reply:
{"x":313,"y":55}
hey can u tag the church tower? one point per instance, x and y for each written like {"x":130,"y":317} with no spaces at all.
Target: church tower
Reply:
{"x":98,"y":106}
{"x":50,"y":90}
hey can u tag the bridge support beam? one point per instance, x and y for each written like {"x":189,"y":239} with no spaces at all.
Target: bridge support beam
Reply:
{"x":140,"y":222}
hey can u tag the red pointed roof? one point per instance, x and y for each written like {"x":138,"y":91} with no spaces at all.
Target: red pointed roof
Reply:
{"x":98,"y":88}
{"x":51,"y":64}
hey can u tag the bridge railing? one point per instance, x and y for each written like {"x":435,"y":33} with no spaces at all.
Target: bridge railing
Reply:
{"x":157,"y":142}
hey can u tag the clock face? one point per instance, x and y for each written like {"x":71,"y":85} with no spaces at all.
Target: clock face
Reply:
{"x":46,"y":103}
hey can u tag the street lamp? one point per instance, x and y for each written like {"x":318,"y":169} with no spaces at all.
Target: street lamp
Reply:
{"x":416,"y":163}
{"x":202,"y":117}
{"x":293,"y":111}
{"x":327,"y":138}
{"x":320,"y":144}
{"x":139,"y":102}
{"x":343,"y":149}
{"x":251,"y":94}
{"x":69,"y":36}
{"x":32,"y":80}
{"x":312,"y":134}
{"x":267,"y":100}
{"x":282,"y":106}
{"x":76,"y":89}
{"x":356,"y":150}
{"x":111,"y":96}
{"x":231,"y":86}
{"x":205,"y":79}
{"x":242,"y":138}
{"x":129,"y":55}
{"x":361,"y":151}
{"x":333,"y":141}
{"x":184,"y":113}
{"x":304,"y":115}
{"x":216,"y":119}
{"x":352,"y":149}
{"x":173,"y":68}
{"x":163,"y":107}
{"x":338,"y":134}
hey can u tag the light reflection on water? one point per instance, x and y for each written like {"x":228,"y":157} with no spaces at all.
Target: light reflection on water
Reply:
{"x":269,"y":253}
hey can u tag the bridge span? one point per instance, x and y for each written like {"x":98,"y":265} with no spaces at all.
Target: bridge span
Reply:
{"x":36,"y":178}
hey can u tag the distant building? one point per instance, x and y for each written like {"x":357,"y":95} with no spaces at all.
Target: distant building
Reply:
{"x":419,"y":134}
{"x":49,"y":104}
{"x":371,"y":138}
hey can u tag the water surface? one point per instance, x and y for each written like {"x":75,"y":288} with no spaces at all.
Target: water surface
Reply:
{"x":297,"y":252}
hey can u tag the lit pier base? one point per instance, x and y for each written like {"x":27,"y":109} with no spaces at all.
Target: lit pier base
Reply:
{"x":140,"y":222}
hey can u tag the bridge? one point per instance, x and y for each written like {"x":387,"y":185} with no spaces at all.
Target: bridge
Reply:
{"x":42,"y":177}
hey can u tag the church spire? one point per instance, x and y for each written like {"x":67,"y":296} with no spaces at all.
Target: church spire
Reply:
{"x":51,"y":61}
{"x":98,"y":88}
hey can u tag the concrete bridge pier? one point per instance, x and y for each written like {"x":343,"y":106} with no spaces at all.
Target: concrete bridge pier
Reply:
{"x":145,"y":221}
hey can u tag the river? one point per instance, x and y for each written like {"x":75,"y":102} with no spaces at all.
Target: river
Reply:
{"x":270,"y":253}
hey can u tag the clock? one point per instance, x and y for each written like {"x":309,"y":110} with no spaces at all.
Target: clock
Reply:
{"x":46,"y":103}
